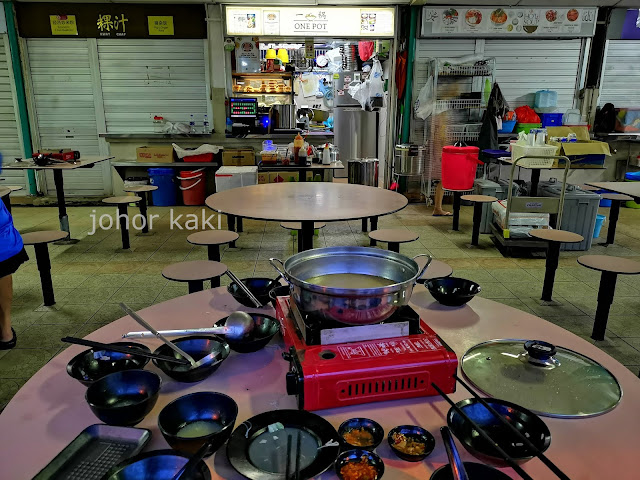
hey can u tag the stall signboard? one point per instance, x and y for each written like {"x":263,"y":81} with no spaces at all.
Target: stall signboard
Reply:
{"x":305,"y":21}
{"x":110,"y":20}
{"x":472,"y":21}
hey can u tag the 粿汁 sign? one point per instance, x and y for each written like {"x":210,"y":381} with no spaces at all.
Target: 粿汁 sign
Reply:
{"x":311,"y":21}
{"x":110,"y":20}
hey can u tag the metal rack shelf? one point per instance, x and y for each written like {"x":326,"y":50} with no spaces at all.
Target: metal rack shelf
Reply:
{"x":469,"y":132}
{"x":466,"y":71}
{"x":458,"y":104}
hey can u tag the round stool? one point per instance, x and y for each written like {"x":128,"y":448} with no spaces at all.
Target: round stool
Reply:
{"x":297,"y":226}
{"x":4,"y":195}
{"x":478,"y":206}
{"x":554,"y":239}
{"x":610,"y":267}
{"x":123,"y":216}
{"x":436,"y":269}
{"x":40,"y":241}
{"x":614,"y":213}
{"x":194,"y":273}
{"x":213,"y":239}
{"x":144,"y":191}
{"x":394,"y":237}
{"x":457,"y":195}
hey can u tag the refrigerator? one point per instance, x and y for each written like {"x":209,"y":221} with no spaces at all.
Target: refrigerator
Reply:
{"x":355,"y":131}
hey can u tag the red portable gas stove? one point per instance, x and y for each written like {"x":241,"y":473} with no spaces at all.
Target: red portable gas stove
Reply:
{"x":335,"y":365}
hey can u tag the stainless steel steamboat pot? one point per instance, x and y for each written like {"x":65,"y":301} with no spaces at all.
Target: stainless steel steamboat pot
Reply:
{"x":353,"y":306}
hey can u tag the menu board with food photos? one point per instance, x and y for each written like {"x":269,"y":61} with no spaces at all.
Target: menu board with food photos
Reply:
{"x":459,"y":21}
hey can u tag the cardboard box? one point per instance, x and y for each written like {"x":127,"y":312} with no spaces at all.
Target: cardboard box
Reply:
{"x":238,"y":157}
{"x":277,"y":177}
{"x":160,"y":154}
{"x":585,"y":153}
{"x":291,"y":176}
{"x":263,"y":178}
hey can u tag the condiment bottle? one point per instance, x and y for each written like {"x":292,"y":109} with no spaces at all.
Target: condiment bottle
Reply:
{"x":326,"y":155}
{"x":298,"y":143}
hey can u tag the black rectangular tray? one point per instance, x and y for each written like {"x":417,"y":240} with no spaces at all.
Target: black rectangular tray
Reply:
{"x":94,"y":452}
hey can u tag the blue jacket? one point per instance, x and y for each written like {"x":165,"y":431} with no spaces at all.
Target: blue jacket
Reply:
{"x":10,"y":240}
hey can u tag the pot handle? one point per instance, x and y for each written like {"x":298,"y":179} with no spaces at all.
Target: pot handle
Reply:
{"x":279,"y":266}
{"x":424,"y":269}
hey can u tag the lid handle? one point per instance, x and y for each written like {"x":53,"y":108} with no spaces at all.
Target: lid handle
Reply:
{"x":540,"y":350}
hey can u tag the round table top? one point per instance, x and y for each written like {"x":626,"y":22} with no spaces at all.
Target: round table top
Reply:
{"x":479,"y":198}
{"x":45,"y":236}
{"x":50,"y":410}
{"x":4,"y":191}
{"x":588,"y":188}
{"x":619,"y":197}
{"x":123,"y":199}
{"x":212,"y":237}
{"x":437,"y":268}
{"x":393,"y":235}
{"x":141,"y":188}
{"x":194,"y":270}
{"x":311,"y":201}
{"x":552,"y":235}
{"x":607,"y":263}
{"x":298,"y":225}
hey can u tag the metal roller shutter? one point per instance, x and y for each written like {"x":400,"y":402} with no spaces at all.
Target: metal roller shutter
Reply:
{"x":526,"y":66}
{"x":621,"y":74}
{"x":63,"y":111}
{"x":143,"y":78}
{"x":10,"y":144}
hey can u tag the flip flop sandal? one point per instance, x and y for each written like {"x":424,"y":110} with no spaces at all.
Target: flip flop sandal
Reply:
{"x":11,"y":343}
{"x":442,"y":214}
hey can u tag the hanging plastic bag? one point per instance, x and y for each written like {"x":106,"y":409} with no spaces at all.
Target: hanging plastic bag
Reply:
{"x":376,"y":82}
{"x":424,"y":106}
{"x":360,"y":93}
{"x":365,"y":50}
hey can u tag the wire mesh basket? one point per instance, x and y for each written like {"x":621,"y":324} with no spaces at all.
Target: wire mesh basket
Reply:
{"x":519,"y":151}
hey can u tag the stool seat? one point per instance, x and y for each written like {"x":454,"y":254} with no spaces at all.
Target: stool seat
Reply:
{"x":14,"y":188}
{"x":120,"y":200}
{"x":394,"y":235}
{"x":141,"y":188}
{"x":437,"y":269}
{"x":212,"y":237}
{"x":45,"y":236}
{"x":607,"y":263}
{"x":479,"y":198}
{"x":617,"y":197}
{"x":195,"y":270}
{"x":551,"y":235}
{"x":4,"y":191}
{"x":298,"y":225}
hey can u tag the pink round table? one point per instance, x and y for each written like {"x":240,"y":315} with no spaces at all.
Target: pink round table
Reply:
{"x":50,"y":410}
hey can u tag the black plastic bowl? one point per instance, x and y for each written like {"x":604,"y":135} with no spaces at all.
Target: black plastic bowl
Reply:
{"x":198,"y":346}
{"x":475,"y":471}
{"x":257,"y":286}
{"x":87,"y":369}
{"x":415,"y":433}
{"x":357,"y":455}
{"x":528,"y":423}
{"x":370,"y":426}
{"x":452,"y":291}
{"x":264,"y":328}
{"x":280,"y":291}
{"x":124,"y":398}
{"x":156,"y":465}
{"x":200,"y":406}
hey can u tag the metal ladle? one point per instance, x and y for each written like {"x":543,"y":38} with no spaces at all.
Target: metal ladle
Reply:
{"x":244,"y":288}
{"x":206,"y":360}
{"x":237,"y":325}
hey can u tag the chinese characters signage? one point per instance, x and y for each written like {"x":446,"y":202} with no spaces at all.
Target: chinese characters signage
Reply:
{"x":110,"y":20}
{"x":159,"y":25}
{"x":311,"y":21}
{"x":63,"y":25}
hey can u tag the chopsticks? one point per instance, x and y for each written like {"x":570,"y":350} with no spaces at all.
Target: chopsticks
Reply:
{"x":510,"y":461}
{"x":552,"y":466}
{"x":296,"y":473}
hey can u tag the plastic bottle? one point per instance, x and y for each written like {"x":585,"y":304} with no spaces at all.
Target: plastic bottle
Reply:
{"x":205,"y":124}
{"x":298,"y":143}
{"x":326,"y":155}
{"x":192,"y":123}
{"x":229,"y":125}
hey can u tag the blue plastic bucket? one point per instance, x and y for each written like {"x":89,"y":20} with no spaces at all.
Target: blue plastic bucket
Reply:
{"x":604,"y":202}
{"x":600,"y":219}
{"x":165,"y":195}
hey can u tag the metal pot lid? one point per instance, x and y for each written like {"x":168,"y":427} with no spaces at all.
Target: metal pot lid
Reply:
{"x":548,"y":380}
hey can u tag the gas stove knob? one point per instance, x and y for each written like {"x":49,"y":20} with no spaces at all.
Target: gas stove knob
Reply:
{"x":292,"y":383}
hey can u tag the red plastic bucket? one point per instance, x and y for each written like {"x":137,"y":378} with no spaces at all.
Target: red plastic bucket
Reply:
{"x":193,"y":186}
{"x":459,"y":167}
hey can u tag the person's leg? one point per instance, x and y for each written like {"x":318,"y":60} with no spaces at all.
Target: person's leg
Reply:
{"x":437,"y":207}
{"x":6,"y":294}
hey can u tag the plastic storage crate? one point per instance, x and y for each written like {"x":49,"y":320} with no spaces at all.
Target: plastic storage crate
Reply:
{"x":579,"y":212}
{"x":235,"y":177}
{"x":519,"y":151}
{"x":482,"y":186}
{"x":551,"y":119}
